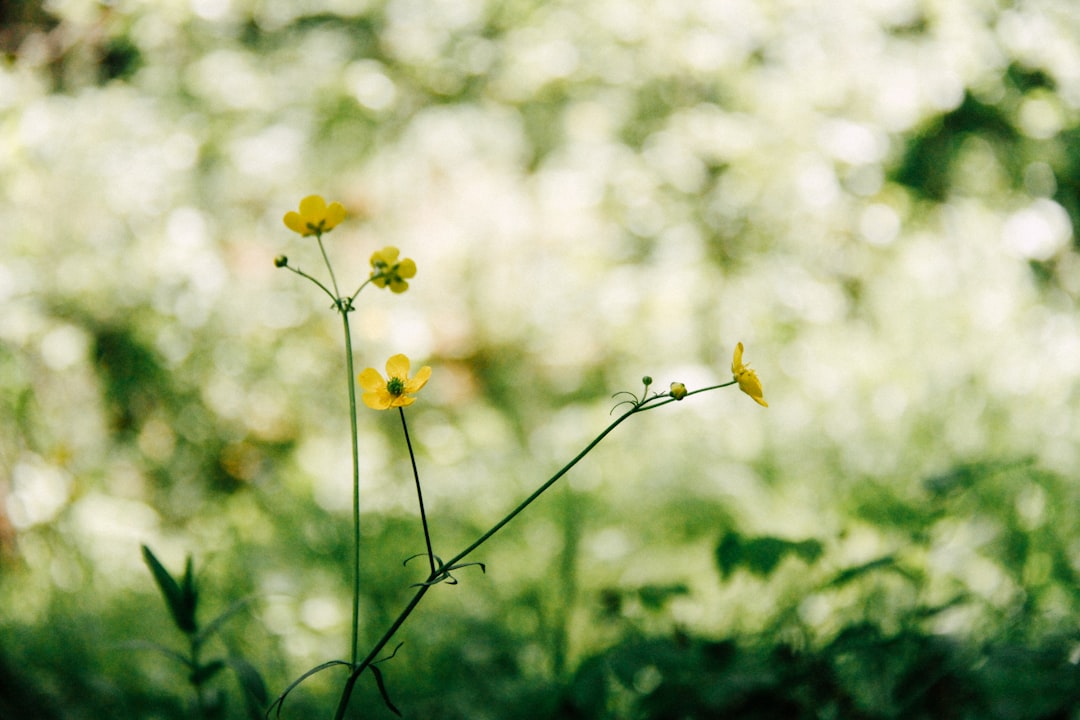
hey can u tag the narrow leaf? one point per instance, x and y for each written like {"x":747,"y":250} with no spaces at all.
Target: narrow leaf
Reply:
{"x":174,"y":597}
{"x":207,"y":671}
{"x":214,"y":625}
{"x":189,"y":595}
{"x":255,"y":695}
{"x":382,"y":689}
{"x":280,"y":702}
{"x":156,"y":647}
{"x":883,"y":563}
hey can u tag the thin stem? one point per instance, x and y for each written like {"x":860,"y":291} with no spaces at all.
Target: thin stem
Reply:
{"x":641,"y":405}
{"x":326,"y":259}
{"x":645,"y":404}
{"x":322,"y":287}
{"x":362,"y":286}
{"x":551,"y":481}
{"x":346,"y":692}
{"x":197,"y":677}
{"x":419,"y":493}
{"x":355,"y":644}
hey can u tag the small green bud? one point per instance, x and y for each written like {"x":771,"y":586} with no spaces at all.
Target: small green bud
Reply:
{"x":281,"y":261}
{"x":647,"y":380}
{"x":678,"y":390}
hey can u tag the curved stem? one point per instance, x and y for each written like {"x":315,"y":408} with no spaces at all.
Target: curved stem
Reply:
{"x":322,"y":287}
{"x":362,"y":286}
{"x":419,"y":493}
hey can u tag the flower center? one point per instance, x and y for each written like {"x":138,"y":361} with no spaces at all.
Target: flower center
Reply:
{"x":395,"y":386}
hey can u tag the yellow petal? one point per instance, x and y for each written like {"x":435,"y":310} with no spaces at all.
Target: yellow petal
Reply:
{"x":397,"y":367}
{"x":751,"y":385}
{"x":294,"y":222}
{"x":313,"y":208}
{"x":371,"y":381}
{"x":736,"y":360}
{"x":387,"y":256}
{"x":407,"y":268}
{"x":376,"y":400}
{"x":422,"y":376}
{"x":334,"y":215}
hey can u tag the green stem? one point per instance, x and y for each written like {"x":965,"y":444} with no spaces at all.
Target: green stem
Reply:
{"x":354,"y":646}
{"x":551,"y":481}
{"x":640,"y":405}
{"x":358,"y":669}
{"x":322,"y":287}
{"x":346,"y":692}
{"x":196,"y":676}
{"x":419,"y":493}
{"x":326,"y":259}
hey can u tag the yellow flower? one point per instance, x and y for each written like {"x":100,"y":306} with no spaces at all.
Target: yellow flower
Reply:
{"x":315,"y":216}
{"x":386,"y":270}
{"x":747,"y":378}
{"x":380,"y":394}
{"x":678,"y":390}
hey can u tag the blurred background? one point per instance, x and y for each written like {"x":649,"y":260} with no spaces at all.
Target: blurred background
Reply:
{"x":879,"y":198}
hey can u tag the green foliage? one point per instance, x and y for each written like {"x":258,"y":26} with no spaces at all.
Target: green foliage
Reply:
{"x":863,"y":673}
{"x":927,"y":163}
{"x":761,"y":555}
{"x":181,"y":598}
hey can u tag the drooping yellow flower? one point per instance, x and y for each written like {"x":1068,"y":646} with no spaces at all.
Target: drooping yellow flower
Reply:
{"x":315,"y":216}
{"x":387,"y":271}
{"x":394,"y":390}
{"x":747,"y":378}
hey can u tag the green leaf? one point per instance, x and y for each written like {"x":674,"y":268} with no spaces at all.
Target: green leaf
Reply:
{"x":729,"y":553}
{"x":207,"y":671}
{"x":255,"y":696}
{"x":761,"y":555}
{"x":655,"y":597}
{"x":183,"y":611}
{"x":883,"y":563}
{"x":382,"y":689}
{"x":189,"y":595}
{"x":214,"y":625}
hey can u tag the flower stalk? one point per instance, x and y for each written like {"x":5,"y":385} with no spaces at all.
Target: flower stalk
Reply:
{"x":419,"y":493}
{"x":397,"y":390}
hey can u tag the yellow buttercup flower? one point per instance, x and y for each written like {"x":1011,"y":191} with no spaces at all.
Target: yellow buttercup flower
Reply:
{"x":388,"y":271}
{"x":747,"y":378}
{"x":315,"y":216}
{"x":678,"y":390}
{"x":394,"y":390}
